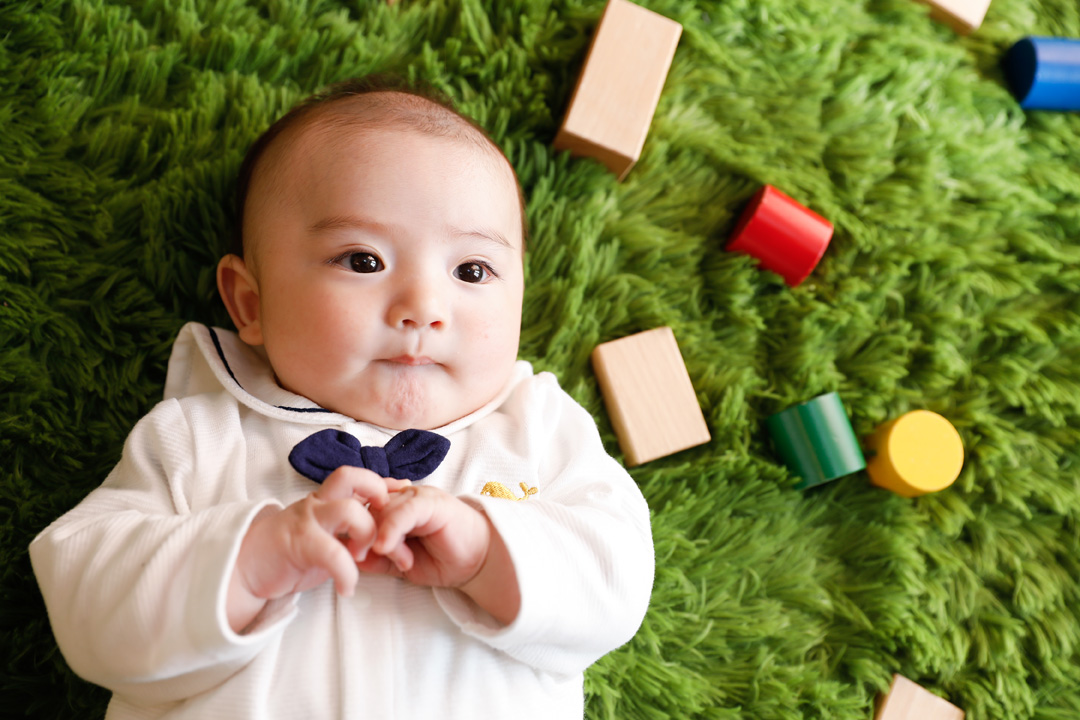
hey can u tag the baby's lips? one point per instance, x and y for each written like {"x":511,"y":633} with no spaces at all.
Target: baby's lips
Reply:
{"x":411,"y":360}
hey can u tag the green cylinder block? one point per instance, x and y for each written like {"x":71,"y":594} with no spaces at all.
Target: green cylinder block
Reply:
{"x":816,"y":441}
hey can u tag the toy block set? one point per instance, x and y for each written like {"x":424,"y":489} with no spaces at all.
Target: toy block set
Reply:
{"x":645,"y":384}
{"x":646,"y":387}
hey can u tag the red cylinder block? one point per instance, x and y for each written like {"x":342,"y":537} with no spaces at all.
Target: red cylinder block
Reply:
{"x":784,"y":236}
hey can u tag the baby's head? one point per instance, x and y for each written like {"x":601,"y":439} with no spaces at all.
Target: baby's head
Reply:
{"x":380,"y":262}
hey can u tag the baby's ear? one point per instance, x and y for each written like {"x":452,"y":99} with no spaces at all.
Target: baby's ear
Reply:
{"x":240,"y":291}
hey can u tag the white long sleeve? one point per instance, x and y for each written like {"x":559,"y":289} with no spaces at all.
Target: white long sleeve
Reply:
{"x":135,"y":582}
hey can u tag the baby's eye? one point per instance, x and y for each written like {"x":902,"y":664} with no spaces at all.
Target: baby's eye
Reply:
{"x":472,"y":272}
{"x":363,"y":262}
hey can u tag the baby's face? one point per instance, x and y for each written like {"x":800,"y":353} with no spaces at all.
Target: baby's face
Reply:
{"x":390,"y":278}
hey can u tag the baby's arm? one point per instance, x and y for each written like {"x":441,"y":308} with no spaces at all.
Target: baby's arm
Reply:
{"x":290,"y":550}
{"x":580,"y":546}
{"x":137,"y":577}
{"x":432,"y":538}
{"x":134,"y":578}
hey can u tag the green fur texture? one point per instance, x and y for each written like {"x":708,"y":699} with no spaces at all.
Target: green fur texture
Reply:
{"x":952,"y":284}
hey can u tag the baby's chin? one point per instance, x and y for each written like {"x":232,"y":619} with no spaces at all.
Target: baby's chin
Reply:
{"x":423,"y":399}
{"x":405,"y":413}
{"x":394,"y":420}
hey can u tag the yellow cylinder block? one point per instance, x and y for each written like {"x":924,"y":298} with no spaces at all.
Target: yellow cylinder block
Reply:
{"x":917,"y":453}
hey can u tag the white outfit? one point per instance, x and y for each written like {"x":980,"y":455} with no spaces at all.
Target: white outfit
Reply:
{"x":135,"y":576}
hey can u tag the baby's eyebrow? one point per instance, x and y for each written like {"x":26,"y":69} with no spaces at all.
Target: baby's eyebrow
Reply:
{"x":347,"y":222}
{"x":484,"y":234}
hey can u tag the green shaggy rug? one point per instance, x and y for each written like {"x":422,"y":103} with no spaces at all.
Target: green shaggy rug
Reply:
{"x":951,"y":284}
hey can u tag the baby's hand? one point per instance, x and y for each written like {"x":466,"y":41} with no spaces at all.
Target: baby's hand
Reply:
{"x":297,"y":548}
{"x":432,"y":538}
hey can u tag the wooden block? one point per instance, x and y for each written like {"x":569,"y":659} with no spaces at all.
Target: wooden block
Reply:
{"x":919,"y":452}
{"x":649,"y":396}
{"x":619,"y":86}
{"x":909,"y":701}
{"x":965,"y":16}
{"x":816,"y":440}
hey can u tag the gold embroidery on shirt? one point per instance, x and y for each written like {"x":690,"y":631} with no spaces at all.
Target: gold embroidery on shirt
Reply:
{"x":497,"y":489}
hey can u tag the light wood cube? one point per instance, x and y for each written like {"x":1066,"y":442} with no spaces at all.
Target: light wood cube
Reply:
{"x":649,"y":396}
{"x":965,"y":16}
{"x":619,"y":86}
{"x":910,"y":701}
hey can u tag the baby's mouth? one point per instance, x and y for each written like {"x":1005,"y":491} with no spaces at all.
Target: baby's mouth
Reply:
{"x":411,"y":360}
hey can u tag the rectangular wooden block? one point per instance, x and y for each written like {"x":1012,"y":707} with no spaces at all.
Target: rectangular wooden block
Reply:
{"x":649,"y":396}
{"x":965,"y":16}
{"x":910,"y":701}
{"x":619,"y":86}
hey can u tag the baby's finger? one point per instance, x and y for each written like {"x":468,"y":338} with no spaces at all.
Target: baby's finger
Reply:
{"x":376,"y":564}
{"x":350,"y":521}
{"x":396,"y":485}
{"x":323,"y":551}
{"x":348,"y":481}
{"x":409,"y":511}
{"x":402,"y":557}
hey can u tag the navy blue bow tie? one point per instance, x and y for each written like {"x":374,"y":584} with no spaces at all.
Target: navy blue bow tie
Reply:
{"x":410,"y":455}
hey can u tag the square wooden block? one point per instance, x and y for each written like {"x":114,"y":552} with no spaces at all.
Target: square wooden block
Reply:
{"x":649,"y":396}
{"x":619,"y":86}
{"x":965,"y":16}
{"x":910,"y":701}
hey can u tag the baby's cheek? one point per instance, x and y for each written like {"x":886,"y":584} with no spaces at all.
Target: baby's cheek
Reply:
{"x":498,"y":357}
{"x":301,"y":352}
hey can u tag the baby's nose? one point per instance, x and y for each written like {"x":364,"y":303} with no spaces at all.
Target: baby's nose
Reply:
{"x":419,"y":305}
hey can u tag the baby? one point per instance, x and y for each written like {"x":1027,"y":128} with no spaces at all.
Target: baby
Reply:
{"x":360,"y":504}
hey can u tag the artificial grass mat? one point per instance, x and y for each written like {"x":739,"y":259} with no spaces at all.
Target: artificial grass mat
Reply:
{"x":951,"y":284}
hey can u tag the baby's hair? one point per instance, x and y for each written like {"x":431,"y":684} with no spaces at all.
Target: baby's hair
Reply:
{"x":423,"y":109}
